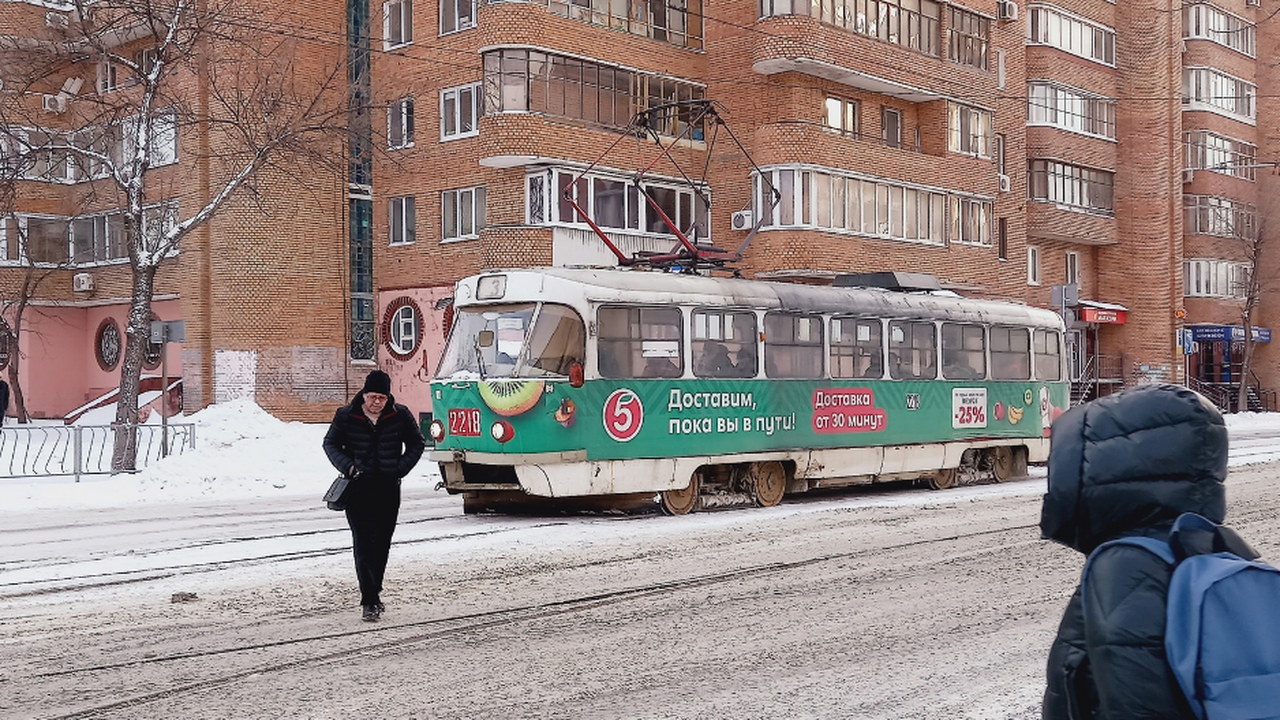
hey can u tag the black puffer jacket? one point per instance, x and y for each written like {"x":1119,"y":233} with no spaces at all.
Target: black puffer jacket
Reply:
{"x":1128,"y":464}
{"x":383,"y":452}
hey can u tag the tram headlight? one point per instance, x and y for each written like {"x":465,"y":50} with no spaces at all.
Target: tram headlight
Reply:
{"x":502,"y":431}
{"x":436,"y":430}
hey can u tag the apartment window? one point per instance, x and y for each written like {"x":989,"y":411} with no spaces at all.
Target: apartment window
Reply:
{"x":1209,"y":151}
{"x":44,"y":240}
{"x":856,"y":205}
{"x":841,"y":115}
{"x":98,"y":238}
{"x":1071,"y":185}
{"x":1068,"y":108}
{"x":678,"y":22}
{"x":460,"y":112}
{"x":910,"y":23}
{"x":1002,"y":239}
{"x":519,"y":80}
{"x":457,"y":15}
{"x":400,"y":123}
{"x":1202,"y":21}
{"x":397,"y":23}
{"x":403,"y":220}
{"x":891,"y":126}
{"x":615,"y":203}
{"x":1073,"y":34}
{"x":1000,"y":164}
{"x":1203,"y":277}
{"x":970,"y":38}
{"x":1072,"y":268}
{"x":1219,"y":216}
{"x":146,"y":60}
{"x":970,"y":130}
{"x":110,"y":77}
{"x":1215,"y":91}
{"x":462,"y":213}
{"x":402,"y":327}
{"x":970,"y":221}
{"x":1033,"y":265}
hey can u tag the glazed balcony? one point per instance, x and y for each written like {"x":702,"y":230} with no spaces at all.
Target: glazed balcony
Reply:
{"x":1064,"y":223}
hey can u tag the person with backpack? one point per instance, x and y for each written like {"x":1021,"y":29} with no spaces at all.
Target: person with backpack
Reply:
{"x":1123,"y":470}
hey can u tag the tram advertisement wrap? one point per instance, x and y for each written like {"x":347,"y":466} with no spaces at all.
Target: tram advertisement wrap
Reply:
{"x":665,"y":418}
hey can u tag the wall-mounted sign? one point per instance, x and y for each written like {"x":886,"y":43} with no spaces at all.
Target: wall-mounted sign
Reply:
{"x":1100,"y":315}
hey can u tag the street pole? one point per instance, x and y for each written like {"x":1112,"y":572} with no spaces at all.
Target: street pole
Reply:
{"x":164,"y":391}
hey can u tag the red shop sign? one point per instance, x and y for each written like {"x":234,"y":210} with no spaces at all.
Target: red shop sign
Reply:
{"x":1098,"y":315}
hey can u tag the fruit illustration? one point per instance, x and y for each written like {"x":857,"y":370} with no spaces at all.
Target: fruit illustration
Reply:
{"x":510,"y":397}
{"x":998,"y":411}
{"x":567,"y":413}
{"x":1015,"y":414}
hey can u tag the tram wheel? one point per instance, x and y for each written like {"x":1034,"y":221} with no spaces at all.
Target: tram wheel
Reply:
{"x":942,"y":479}
{"x":1007,"y":463}
{"x":682,"y":501}
{"x":770,"y":483}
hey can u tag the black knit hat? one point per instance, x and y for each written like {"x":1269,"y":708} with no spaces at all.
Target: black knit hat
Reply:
{"x":377,"y":382}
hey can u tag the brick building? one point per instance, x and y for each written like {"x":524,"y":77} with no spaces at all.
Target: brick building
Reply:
{"x":1007,"y":147}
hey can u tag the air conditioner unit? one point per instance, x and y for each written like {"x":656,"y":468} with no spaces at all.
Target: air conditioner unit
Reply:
{"x":743,"y":220}
{"x":1008,"y":9}
{"x":82,"y":282}
{"x":1006,"y":184}
{"x":54,"y":103}
{"x":1253,"y":3}
{"x":1188,"y":175}
{"x":58,"y":20}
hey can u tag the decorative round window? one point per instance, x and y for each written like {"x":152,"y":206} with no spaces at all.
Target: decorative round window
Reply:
{"x":107,"y":344}
{"x":402,"y":327}
{"x":151,"y":360}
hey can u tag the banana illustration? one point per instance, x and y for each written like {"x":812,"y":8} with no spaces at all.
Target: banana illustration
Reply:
{"x":1015,"y":414}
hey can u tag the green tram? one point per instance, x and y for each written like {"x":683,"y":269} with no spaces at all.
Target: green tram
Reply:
{"x":693,"y":391}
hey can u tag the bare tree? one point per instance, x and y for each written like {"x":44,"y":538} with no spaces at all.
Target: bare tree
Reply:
{"x":221,"y":80}
{"x":1253,"y":285}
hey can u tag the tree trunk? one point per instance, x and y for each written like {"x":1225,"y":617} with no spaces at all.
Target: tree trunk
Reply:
{"x":1242,"y":398}
{"x":124,"y":457}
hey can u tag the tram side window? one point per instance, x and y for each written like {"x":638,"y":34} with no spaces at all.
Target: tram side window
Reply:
{"x":640,"y":342}
{"x":1048,"y":355}
{"x":913,"y":350}
{"x":1010,"y":354}
{"x":856,"y":348}
{"x":964,"y":352}
{"x":724,"y":344}
{"x":792,"y":345}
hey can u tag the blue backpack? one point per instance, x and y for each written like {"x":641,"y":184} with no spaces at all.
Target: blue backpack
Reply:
{"x":1222,"y":624}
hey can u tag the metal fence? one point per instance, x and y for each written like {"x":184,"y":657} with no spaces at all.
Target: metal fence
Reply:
{"x":84,"y":449}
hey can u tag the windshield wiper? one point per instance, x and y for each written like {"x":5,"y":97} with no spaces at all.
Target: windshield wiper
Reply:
{"x":479,"y":357}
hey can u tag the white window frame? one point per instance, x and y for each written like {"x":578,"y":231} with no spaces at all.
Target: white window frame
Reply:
{"x":1033,"y":265}
{"x":109,"y":77}
{"x":1067,"y":32}
{"x":402,"y":213}
{"x":397,"y":12}
{"x":1212,"y":90}
{"x":970,"y":215}
{"x":1211,"y":277}
{"x":1202,"y":21}
{"x":400,"y":110}
{"x":1054,"y":104}
{"x":403,"y":325}
{"x":462,"y":213}
{"x":970,"y":130}
{"x":453,"y":18}
{"x":849,"y":121}
{"x":452,"y":102}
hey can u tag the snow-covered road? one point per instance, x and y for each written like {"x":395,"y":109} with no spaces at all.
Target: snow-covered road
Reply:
{"x":886,"y":603}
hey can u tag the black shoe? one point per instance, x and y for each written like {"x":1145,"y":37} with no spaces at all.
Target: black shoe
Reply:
{"x":379,"y":607}
{"x":371,"y":613}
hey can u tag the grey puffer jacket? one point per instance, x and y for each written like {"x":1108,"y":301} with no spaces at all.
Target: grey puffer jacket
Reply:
{"x":1127,"y":464}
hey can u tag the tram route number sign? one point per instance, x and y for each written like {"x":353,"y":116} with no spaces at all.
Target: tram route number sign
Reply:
{"x":968,"y":408}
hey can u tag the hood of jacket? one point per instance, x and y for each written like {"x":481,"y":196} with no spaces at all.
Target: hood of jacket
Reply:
{"x":1133,"y":460}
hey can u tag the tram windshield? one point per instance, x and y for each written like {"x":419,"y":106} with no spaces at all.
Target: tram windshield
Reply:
{"x":524,"y":340}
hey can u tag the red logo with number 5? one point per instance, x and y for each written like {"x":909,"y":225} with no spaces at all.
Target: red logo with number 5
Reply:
{"x":623,"y":415}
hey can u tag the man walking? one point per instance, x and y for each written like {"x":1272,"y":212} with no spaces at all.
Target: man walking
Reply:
{"x":375,"y":442}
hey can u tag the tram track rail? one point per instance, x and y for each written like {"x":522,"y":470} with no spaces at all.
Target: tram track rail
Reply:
{"x":422,"y":631}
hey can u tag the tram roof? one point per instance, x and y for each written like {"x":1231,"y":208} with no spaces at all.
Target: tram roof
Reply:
{"x":653,"y":287}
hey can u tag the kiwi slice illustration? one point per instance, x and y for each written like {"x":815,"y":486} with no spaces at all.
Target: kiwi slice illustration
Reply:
{"x":510,"y":397}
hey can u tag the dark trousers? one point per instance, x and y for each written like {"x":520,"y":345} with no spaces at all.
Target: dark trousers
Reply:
{"x":372,"y":513}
